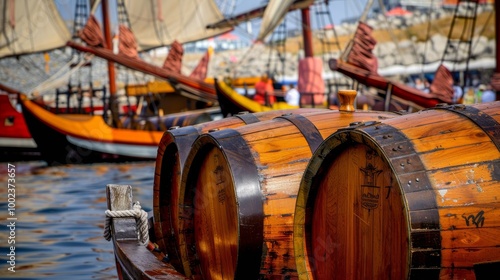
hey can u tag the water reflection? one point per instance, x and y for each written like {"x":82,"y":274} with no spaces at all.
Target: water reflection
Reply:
{"x":60,"y":218}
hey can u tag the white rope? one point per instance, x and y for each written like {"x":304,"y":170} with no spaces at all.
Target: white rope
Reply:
{"x":141,"y":219}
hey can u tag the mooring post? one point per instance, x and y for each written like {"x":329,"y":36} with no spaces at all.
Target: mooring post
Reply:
{"x":119,"y":197}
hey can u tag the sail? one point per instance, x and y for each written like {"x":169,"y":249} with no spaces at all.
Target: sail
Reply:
{"x":92,"y":33}
{"x":30,"y":26}
{"x":361,"y":53}
{"x":173,"y":61}
{"x":442,"y":86}
{"x":127,"y":43}
{"x":275,"y":11}
{"x":200,"y":72}
{"x":158,"y":23}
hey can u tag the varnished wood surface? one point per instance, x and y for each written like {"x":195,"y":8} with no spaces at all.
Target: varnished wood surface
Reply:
{"x":216,"y":218}
{"x":173,"y":149}
{"x":444,"y":166}
{"x":137,"y":262}
{"x":280,"y":152}
{"x":356,"y":231}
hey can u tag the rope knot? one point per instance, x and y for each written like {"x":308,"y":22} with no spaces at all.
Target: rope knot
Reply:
{"x":141,"y":219}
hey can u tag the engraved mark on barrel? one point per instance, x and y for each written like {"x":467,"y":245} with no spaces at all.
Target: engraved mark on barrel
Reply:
{"x":369,"y":191}
{"x":477,"y":220}
{"x":219,"y":180}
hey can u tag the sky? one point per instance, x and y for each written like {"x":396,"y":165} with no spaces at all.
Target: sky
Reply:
{"x":339,"y":11}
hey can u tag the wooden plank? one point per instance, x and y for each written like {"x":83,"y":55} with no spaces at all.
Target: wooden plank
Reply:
{"x":135,"y":260}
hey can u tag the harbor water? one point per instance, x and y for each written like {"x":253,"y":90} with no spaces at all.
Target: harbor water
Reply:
{"x":53,"y":227}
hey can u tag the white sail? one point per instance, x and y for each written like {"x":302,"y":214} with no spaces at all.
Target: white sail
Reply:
{"x":159,"y":23}
{"x":275,"y":12}
{"x":30,"y":26}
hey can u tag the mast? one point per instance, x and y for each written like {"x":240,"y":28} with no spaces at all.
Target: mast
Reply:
{"x":107,"y":37}
{"x":112,"y":104}
{"x":306,"y":32}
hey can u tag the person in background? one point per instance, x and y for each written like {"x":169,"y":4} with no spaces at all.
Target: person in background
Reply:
{"x":264,"y":91}
{"x":457,"y":93}
{"x":292,"y":96}
{"x":419,"y":84}
{"x":469,"y":96}
{"x":488,"y":94}
{"x":479,"y":93}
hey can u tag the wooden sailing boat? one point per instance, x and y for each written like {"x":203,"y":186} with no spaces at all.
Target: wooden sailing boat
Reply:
{"x":86,"y":139}
{"x":15,"y":139}
{"x":16,"y":142}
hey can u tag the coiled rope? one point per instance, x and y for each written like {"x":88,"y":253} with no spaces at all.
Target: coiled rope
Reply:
{"x":141,"y":220}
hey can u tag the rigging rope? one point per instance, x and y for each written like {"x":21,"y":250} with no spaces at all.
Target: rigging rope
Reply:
{"x":59,"y":79}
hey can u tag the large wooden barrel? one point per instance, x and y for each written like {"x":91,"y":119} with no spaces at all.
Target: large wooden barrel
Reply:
{"x":412,"y":197}
{"x":172,"y":152}
{"x":238,"y":193}
{"x":162,"y":123}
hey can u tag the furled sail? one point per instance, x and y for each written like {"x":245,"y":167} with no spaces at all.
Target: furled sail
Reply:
{"x":92,"y":33}
{"x":200,"y":71}
{"x":173,"y":61}
{"x":127,"y":43}
{"x":158,"y":23}
{"x":30,"y":26}
{"x":361,"y":53}
{"x":442,"y":86}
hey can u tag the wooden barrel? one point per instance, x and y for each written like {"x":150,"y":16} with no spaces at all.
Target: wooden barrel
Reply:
{"x":162,"y":123}
{"x":412,"y":197}
{"x":172,"y":152}
{"x":238,"y":193}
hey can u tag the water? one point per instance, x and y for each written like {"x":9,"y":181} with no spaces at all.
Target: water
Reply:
{"x":60,"y":218}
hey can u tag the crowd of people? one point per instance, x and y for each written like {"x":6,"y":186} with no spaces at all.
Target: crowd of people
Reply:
{"x":473,"y":95}
{"x":479,"y":93}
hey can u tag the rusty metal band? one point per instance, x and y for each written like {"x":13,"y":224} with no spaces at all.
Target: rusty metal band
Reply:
{"x":424,"y":216}
{"x":488,"y":124}
{"x":307,"y":128}
{"x":250,"y":208}
{"x":247,"y":118}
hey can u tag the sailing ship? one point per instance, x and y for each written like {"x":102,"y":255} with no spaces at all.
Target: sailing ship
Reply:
{"x":83,"y":138}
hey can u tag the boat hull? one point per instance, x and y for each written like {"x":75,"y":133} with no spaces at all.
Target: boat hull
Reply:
{"x":16,"y":143}
{"x":60,"y":146}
